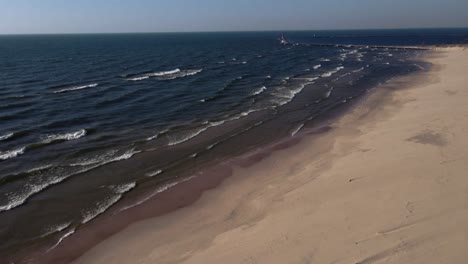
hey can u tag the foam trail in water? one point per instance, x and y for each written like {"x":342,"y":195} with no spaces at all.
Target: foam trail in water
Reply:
{"x":29,"y":189}
{"x":153,"y":173}
{"x":174,"y":140}
{"x":67,"y":234}
{"x":4,"y":155}
{"x":330,"y":73}
{"x":296,"y":130}
{"x":6,"y":136}
{"x":329,"y":93}
{"x":56,"y":228}
{"x":167,"y":75}
{"x":158,"y":190}
{"x":68,"y":136}
{"x":102,"y":206}
{"x":259,"y":91}
{"x":76,"y":88}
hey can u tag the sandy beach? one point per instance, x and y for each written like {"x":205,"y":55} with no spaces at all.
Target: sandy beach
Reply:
{"x":385,"y":184}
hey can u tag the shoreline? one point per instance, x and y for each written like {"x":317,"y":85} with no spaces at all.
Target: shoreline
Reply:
{"x":272,"y":204}
{"x":190,"y":195}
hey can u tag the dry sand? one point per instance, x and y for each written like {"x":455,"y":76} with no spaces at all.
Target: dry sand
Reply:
{"x":388,"y":184}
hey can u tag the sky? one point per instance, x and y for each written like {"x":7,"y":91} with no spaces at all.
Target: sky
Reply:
{"x":112,"y":16}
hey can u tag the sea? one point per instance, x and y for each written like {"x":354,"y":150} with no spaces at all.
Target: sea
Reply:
{"x":87,"y":120}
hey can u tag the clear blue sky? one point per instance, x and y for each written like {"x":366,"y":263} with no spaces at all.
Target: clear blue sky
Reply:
{"x":78,"y":16}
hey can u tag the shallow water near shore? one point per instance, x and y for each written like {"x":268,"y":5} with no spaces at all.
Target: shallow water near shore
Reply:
{"x":93,"y":119}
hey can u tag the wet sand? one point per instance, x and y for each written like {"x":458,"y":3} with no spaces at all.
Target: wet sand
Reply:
{"x":387,"y":183}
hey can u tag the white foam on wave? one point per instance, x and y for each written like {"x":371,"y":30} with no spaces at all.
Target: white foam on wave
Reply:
{"x":76,"y":88}
{"x":158,"y":190}
{"x":184,"y":136}
{"x":67,"y":234}
{"x":153,"y":173}
{"x":259,"y":91}
{"x":4,"y":155}
{"x":330,"y":73}
{"x":157,"y":135}
{"x":102,"y":206}
{"x":6,"y":136}
{"x":154,"y":74}
{"x":30,"y":189}
{"x":139,"y":78}
{"x":358,"y":70}
{"x":317,"y":66}
{"x":56,"y":228}
{"x":174,"y":140}
{"x":329,"y":92}
{"x":287,"y":95}
{"x":296,"y":130}
{"x":324,"y":59}
{"x":67,"y":136}
{"x":167,"y":75}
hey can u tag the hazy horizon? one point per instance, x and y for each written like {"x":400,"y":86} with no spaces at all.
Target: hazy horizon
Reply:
{"x":112,"y":16}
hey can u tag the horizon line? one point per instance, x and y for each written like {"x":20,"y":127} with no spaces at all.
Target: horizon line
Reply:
{"x":226,"y":31}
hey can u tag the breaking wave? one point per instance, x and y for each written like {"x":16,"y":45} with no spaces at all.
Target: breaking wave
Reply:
{"x":67,"y":234}
{"x":330,"y":73}
{"x":158,"y":190}
{"x":259,"y":91}
{"x":6,"y":136}
{"x":65,"y":137}
{"x":166,"y":75}
{"x":102,"y":206}
{"x":296,"y":130}
{"x":4,"y":155}
{"x":76,"y":88}
{"x":43,"y":174}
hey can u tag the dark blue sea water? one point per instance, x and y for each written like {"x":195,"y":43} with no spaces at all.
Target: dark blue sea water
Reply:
{"x":86,"y":120}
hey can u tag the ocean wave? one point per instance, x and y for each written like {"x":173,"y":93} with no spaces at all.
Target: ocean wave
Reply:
{"x":212,"y":145}
{"x":259,"y":91}
{"x":67,"y":234}
{"x":296,"y":130}
{"x":123,"y":188}
{"x":167,"y":75}
{"x":56,"y":228}
{"x":102,"y":206}
{"x":4,"y":155}
{"x":317,"y":66}
{"x":184,"y":136}
{"x":285,"y":95}
{"x":153,"y":173}
{"x":76,"y":88}
{"x":330,"y":73}
{"x":65,"y":137}
{"x":6,"y":136}
{"x":329,"y":92}
{"x":29,"y":189}
{"x":158,"y":190}
{"x":358,"y":70}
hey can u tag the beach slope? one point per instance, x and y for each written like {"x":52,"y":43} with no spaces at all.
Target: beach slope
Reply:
{"x":388,"y":183}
